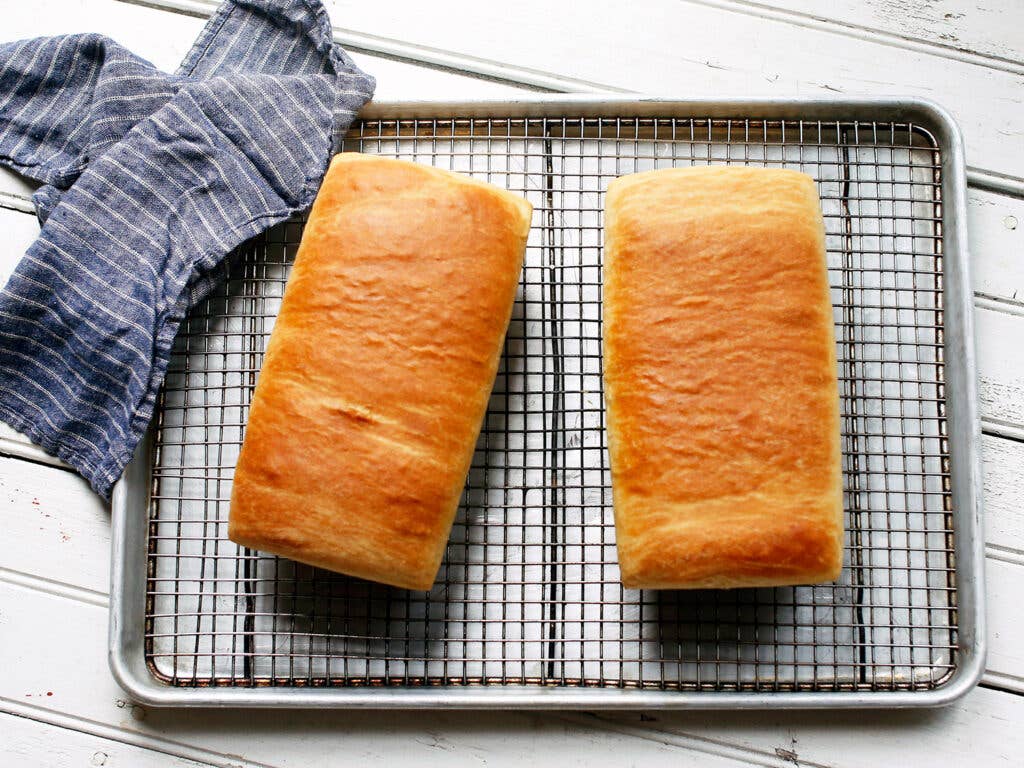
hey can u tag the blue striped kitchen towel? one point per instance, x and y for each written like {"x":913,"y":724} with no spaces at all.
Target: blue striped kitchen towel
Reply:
{"x":149,"y":181}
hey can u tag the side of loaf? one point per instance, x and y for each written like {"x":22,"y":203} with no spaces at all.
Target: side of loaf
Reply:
{"x":379,"y":369}
{"x":721,"y":380}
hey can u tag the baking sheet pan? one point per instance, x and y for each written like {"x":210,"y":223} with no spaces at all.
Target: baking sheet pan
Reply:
{"x":528,"y":610}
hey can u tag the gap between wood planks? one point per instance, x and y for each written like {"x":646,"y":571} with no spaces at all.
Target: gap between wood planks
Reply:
{"x":1006,"y":554}
{"x":112,"y":733}
{"x":727,"y":755}
{"x":863,"y":32}
{"x":31,"y":740}
{"x":963,"y":25}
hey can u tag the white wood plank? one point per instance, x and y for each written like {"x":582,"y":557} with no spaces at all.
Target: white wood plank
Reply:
{"x":15,"y":444}
{"x":15,"y":192}
{"x":15,"y":184}
{"x":995,"y":229}
{"x":55,"y":528}
{"x":991,"y":28}
{"x":1004,"y":495}
{"x":29,"y":743}
{"x":54,"y":645}
{"x":712,"y":52}
{"x":1004,"y":585}
{"x":17,"y":231}
{"x":981,"y":730}
{"x":398,"y":50}
{"x":1000,"y":366}
{"x":398,"y":80}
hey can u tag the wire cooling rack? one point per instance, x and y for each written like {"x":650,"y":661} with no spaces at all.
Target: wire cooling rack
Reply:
{"x":529,"y":592}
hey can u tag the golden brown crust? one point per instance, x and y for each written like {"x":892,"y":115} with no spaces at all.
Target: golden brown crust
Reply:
{"x":720,"y":375}
{"x":379,"y":369}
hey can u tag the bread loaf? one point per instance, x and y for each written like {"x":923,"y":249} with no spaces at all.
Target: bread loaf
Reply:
{"x":379,"y":369}
{"x":721,"y":382}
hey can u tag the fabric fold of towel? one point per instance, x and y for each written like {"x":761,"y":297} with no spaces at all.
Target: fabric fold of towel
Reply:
{"x":149,"y":181}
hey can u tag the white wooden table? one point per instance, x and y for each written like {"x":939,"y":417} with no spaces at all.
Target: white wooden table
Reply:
{"x":58,"y":703}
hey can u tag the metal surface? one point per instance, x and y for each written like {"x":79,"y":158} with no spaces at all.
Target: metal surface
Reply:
{"x":528,"y":609}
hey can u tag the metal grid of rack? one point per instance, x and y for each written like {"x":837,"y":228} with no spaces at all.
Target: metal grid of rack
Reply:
{"x":529,"y":592}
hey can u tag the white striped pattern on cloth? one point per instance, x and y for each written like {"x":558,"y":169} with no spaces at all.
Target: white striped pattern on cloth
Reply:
{"x":149,"y":181}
